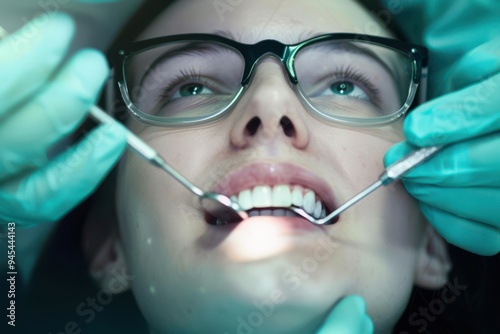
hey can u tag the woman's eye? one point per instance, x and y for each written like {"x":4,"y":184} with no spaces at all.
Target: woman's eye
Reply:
{"x":342,"y":88}
{"x":346,"y":88}
{"x":191,"y":90}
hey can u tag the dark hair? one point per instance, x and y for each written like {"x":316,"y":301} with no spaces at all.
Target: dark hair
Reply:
{"x":139,"y":21}
{"x":467,"y":304}
{"x":146,"y":13}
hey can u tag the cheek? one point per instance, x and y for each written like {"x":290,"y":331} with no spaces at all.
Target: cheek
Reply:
{"x":388,"y":217}
{"x":388,"y":235}
{"x":385,"y":229}
{"x":161,"y":223}
{"x":155,"y":210}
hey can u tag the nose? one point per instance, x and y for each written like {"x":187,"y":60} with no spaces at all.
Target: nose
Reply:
{"x":269,"y":111}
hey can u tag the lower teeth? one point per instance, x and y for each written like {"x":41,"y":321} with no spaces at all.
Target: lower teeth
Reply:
{"x":263,"y":213}
{"x":272,"y":213}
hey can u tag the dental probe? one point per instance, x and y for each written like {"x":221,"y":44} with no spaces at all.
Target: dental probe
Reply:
{"x":391,"y":173}
{"x":218,"y":205}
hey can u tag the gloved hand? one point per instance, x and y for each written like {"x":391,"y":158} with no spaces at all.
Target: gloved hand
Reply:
{"x":459,"y":188}
{"x":348,"y":317}
{"x":448,"y":28}
{"x":41,"y":105}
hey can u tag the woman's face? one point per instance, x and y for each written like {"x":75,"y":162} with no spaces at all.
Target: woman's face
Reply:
{"x":267,"y":273}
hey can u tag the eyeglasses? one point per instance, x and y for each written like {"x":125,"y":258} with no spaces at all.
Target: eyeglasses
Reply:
{"x":193,"y":79}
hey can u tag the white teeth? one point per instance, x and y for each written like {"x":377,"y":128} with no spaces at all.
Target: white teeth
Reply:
{"x":266,"y":212}
{"x":317,"y":210}
{"x":279,"y":212}
{"x":309,"y":202}
{"x":245,"y":199}
{"x":297,"y":198}
{"x":279,"y":196}
{"x":262,"y":197}
{"x":254,"y":213}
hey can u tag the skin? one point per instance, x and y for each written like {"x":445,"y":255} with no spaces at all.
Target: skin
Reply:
{"x":192,"y":277}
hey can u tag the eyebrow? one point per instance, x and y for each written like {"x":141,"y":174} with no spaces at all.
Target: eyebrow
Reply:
{"x":349,"y":47}
{"x":359,"y":50}
{"x":301,"y":36}
{"x":195,"y":48}
{"x":308,"y":34}
{"x":191,"y":48}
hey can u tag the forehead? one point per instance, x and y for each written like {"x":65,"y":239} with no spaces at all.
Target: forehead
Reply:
{"x":288,"y":21}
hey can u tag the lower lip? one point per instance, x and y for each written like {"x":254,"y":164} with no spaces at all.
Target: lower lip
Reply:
{"x":272,"y":225}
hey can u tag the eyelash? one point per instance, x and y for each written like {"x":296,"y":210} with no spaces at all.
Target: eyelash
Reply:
{"x":348,"y":73}
{"x":345,"y":73}
{"x":185,"y":76}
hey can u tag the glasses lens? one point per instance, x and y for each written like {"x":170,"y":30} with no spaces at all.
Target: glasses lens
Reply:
{"x":184,"y":80}
{"x":354,"y":79}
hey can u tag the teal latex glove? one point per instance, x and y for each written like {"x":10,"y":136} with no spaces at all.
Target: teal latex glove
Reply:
{"x":40,"y":106}
{"x":448,"y":28}
{"x":348,"y":317}
{"x":459,"y":189}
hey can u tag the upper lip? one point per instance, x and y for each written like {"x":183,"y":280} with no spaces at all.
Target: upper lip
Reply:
{"x":249,"y":176}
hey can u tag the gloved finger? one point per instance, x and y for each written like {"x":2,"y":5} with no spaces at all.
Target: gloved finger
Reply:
{"x":472,"y":163}
{"x":50,"y":192}
{"x":467,"y":113}
{"x":397,"y":152}
{"x":470,"y":203}
{"x":348,"y":317}
{"x":54,"y":113}
{"x":476,"y":65}
{"x":29,"y":58}
{"x":467,"y":234}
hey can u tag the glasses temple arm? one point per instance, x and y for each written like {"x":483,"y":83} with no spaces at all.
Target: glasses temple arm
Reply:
{"x":422,"y":88}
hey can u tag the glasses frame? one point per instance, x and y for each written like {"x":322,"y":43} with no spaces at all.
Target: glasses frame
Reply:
{"x":286,"y":53}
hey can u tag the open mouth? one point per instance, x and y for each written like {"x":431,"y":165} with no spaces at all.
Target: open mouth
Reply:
{"x":274,"y":201}
{"x":270,"y":190}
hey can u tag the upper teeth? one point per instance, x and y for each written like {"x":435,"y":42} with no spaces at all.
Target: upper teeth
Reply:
{"x":282,"y":196}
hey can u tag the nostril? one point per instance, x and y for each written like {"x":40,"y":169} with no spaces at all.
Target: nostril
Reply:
{"x":252,"y":126}
{"x":288,"y":127}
